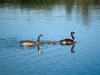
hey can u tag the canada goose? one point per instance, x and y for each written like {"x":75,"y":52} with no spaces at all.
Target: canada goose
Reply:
{"x":30,"y":43}
{"x":48,"y":42}
{"x":54,"y":42}
{"x":68,"y":41}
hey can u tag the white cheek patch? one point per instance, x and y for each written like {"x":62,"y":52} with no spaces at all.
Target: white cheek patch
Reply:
{"x":74,"y":40}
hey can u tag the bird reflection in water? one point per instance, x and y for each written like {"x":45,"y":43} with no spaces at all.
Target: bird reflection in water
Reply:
{"x":39,"y":51}
{"x":73,"y":45}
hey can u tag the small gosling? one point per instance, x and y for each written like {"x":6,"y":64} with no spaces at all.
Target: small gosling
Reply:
{"x":48,"y":42}
{"x":41,"y":42}
{"x":54,"y":42}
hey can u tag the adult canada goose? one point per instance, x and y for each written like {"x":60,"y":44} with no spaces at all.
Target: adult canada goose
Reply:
{"x":30,"y":43}
{"x":48,"y":42}
{"x":54,"y":42}
{"x":68,"y":41}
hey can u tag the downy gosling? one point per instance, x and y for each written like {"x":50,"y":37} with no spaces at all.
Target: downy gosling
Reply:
{"x":48,"y":42}
{"x":54,"y":42}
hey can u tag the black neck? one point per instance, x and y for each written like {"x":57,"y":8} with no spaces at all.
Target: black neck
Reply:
{"x":72,"y":36}
{"x":38,"y":39}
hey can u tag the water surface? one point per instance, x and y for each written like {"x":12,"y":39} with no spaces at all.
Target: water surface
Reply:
{"x":54,"y":19}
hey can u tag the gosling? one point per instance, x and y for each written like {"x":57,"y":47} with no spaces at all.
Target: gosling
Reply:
{"x":41,"y":42}
{"x":54,"y":42}
{"x":48,"y":42}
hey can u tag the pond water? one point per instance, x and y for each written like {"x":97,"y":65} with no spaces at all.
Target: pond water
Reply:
{"x":55,"y":20}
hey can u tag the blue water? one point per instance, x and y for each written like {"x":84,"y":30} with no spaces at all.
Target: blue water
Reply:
{"x":55,"y":22}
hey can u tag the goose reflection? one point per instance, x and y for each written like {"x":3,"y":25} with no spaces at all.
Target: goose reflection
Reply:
{"x":73,"y":45}
{"x":72,"y":51}
{"x":39,"y":51}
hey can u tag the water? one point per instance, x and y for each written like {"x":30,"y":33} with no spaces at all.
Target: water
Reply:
{"x":54,"y":20}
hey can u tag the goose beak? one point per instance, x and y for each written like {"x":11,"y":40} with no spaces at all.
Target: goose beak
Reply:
{"x":41,"y":35}
{"x":73,"y":32}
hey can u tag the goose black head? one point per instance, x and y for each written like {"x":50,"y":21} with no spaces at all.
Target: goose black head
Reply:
{"x":72,"y":32}
{"x":41,"y":35}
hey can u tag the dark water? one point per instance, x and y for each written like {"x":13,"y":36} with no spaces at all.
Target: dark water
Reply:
{"x":54,"y":19}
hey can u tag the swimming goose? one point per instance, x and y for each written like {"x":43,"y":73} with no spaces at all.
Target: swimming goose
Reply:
{"x":68,"y":41}
{"x":30,"y":43}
